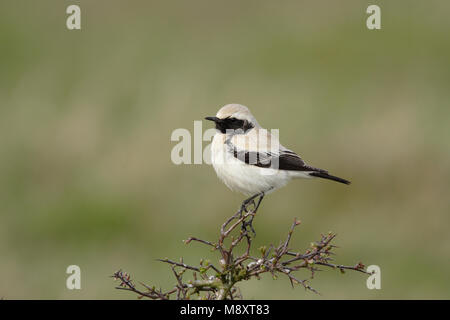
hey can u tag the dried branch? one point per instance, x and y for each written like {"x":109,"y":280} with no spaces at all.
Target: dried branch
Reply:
{"x":234,"y":268}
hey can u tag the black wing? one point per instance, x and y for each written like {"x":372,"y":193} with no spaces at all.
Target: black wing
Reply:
{"x":285,"y":160}
{"x":289,"y":160}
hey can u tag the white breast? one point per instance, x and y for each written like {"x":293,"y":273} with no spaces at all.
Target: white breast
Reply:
{"x":241,"y":177}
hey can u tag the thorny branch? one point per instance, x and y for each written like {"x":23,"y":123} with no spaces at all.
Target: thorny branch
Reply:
{"x":218,"y":282}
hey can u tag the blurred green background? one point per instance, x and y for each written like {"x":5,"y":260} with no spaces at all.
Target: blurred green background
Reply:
{"x":86,"y":118}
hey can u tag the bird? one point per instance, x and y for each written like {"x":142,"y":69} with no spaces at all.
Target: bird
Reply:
{"x":251,"y":160}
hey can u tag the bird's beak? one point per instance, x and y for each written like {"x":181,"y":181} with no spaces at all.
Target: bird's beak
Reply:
{"x":215,"y":119}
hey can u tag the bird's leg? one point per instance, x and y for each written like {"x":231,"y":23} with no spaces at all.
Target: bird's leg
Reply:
{"x":250,"y":222}
{"x":259,"y":201}
{"x":246,"y":202}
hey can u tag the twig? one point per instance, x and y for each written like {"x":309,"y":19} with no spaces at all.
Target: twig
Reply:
{"x":222,"y":284}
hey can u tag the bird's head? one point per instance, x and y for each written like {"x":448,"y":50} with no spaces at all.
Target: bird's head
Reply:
{"x":234,"y":117}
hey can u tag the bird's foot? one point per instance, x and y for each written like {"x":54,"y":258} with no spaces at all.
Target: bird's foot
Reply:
{"x":250,"y":211}
{"x":245,"y":207}
{"x":249,"y":224}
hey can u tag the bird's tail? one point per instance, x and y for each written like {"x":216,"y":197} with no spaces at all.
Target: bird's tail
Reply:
{"x":325,"y":175}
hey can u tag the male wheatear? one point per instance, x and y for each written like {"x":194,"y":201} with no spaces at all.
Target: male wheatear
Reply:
{"x":248,"y":159}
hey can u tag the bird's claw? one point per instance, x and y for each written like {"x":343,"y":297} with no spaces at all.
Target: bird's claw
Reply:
{"x":246,"y":224}
{"x":244,"y":207}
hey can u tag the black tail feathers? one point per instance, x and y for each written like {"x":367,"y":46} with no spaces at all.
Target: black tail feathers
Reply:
{"x":325,"y":175}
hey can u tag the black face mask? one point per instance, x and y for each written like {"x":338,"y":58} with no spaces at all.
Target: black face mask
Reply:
{"x":239,"y":126}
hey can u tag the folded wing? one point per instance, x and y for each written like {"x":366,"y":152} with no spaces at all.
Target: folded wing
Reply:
{"x":261,"y":149}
